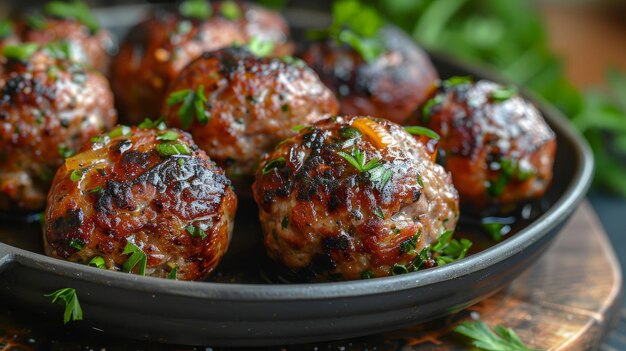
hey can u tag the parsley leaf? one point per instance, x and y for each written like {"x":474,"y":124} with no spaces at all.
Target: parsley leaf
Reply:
{"x":260,"y":48}
{"x":137,"y":257}
{"x":230,"y":10}
{"x":410,"y":244}
{"x":191,"y":102}
{"x":502,"y":94}
{"x":198,"y":9}
{"x":169,"y":135}
{"x":416,"y":130}
{"x":447,"y":249}
{"x":148,"y":123}
{"x":484,"y":338}
{"x":357,"y":159}
{"x":76,"y":9}
{"x":172,"y":149}
{"x":68,"y":298}
{"x":7,"y":28}
{"x":196,"y":231}
{"x":98,"y":262}
{"x":275,"y":163}
{"x":20,"y":52}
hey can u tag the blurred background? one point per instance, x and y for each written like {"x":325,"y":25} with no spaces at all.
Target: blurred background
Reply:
{"x":571,"y":53}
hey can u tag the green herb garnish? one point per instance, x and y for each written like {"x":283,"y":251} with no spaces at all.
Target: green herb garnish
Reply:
{"x":285,"y":222}
{"x":96,"y":190}
{"x":429,"y":105}
{"x":410,"y":244}
{"x":36,"y":21}
{"x":68,"y":298}
{"x":416,"y":130}
{"x":6,"y":28}
{"x":379,"y":213}
{"x":148,"y":124}
{"x":171,"y":149}
{"x":196,"y":231}
{"x":76,"y":9}
{"x":420,"y":181}
{"x":77,"y":244}
{"x":275,"y":163}
{"x":380,"y":176}
{"x":199,"y":9}
{"x":456,"y":81}
{"x":137,"y":257}
{"x":367,"y":274}
{"x":172,"y":274}
{"x":76,"y":175}
{"x":501,"y":94}
{"x":64,"y":151}
{"x":398,"y":269}
{"x":20,"y":52}
{"x":168,"y":135}
{"x":98,"y":262}
{"x":120,"y":131}
{"x":484,"y":338}
{"x":350,"y":132}
{"x":260,"y":48}
{"x":357,"y":159}
{"x":299,"y":128}
{"x":448,"y":249}
{"x":230,"y":10}
{"x":191,"y":102}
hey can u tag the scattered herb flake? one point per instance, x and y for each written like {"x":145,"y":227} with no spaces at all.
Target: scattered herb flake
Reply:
{"x":64,"y":151}
{"x":171,"y":149}
{"x":275,"y":163}
{"x":77,"y":244}
{"x":410,"y":244}
{"x":379,"y":213}
{"x":196,"y":231}
{"x":76,"y":9}
{"x":169,"y":135}
{"x":199,"y":9}
{"x":98,"y":262}
{"x":230,"y":10}
{"x":367,"y":274}
{"x":69,"y":298}
{"x":298,"y":128}
{"x":260,"y":48}
{"x":191,"y":103}
{"x":457,"y":80}
{"x":398,"y":269}
{"x":137,"y":257}
{"x":172,"y":274}
{"x":20,"y":52}
{"x":285,"y":222}
{"x":76,"y":175}
{"x":502,"y":94}
{"x":416,"y":130}
{"x":484,"y":338}
{"x":350,"y":132}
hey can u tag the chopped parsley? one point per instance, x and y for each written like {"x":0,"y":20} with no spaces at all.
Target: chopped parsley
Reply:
{"x":285,"y":222}
{"x":410,"y":244}
{"x":20,"y":52}
{"x":509,"y":170}
{"x":350,"y":132}
{"x":120,"y":131}
{"x":260,"y":48}
{"x":171,"y":149}
{"x":75,"y":9}
{"x":98,"y":262}
{"x":298,"y":128}
{"x":416,"y":130}
{"x":357,"y":159}
{"x":457,"y":80}
{"x":6,"y":28}
{"x":447,"y":249}
{"x":172,"y":274}
{"x":367,"y":274}
{"x":429,"y":105}
{"x":230,"y":10}
{"x":169,"y":135}
{"x":191,"y":103}
{"x":136,"y":258}
{"x":76,"y":175}
{"x":484,"y":338}
{"x":68,"y":298}
{"x":96,"y":190}
{"x":198,"y":9}
{"x":196,"y":231}
{"x":501,"y":94}
{"x":77,"y":244}
{"x":379,"y":213}
{"x":398,"y":269}
{"x":36,"y":21}
{"x":64,"y":151}
{"x":148,"y":124}
{"x":420,"y":181}
{"x":59,"y":49}
{"x":275,"y":163}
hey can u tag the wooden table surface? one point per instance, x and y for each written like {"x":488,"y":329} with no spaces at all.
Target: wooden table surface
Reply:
{"x":567,"y":300}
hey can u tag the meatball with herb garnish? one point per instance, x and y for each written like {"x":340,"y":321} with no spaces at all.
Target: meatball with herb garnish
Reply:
{"x":73,"y":23}
{"x":238,"y":106}
{"x":356,"y":197}
{"x":50,"y":107}
{"x":373,"y":70}
{"x":141,"y":200}
{"x":495,"y":143}
{"x":157,"y":49}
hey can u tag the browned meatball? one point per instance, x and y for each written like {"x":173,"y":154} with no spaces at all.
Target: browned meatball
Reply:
{"x":49,"y":108}
{"x":496,"y":144}
{"x":247,"y":105}
{"x":89,"y":43}
{"x":352,"y":197}
{"x":392,"y":86}
{"x":157,"y":49}
{"x":145,"y":193}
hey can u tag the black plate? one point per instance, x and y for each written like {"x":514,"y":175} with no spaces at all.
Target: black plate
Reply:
{"x":221,"y":313}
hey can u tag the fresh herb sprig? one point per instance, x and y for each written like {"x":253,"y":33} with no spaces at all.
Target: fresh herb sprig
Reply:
{"x":137,"y":258}
{"x":197,"y":9}
{"x":68,"y":298}
{"x":191,"y":103}
{"x":482,"y":337}
{"x":376,"y":172}
{"x":75,"y":9}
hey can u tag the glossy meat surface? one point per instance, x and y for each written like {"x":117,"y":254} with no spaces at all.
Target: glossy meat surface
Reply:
{"x":251,"y":105}
{"x":156,"y":50}
{"x":49,"y":108}
{"x":124,"y":189}
{"x":326,"y":219}
{"x":392,"y":86}
{"x":496,"y":144}
{"x":90,"y":48}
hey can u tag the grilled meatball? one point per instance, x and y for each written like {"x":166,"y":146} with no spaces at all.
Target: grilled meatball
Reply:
{"x":158,"y":48}
{"x":49,"y":108}
{"x":90,"y":44}
{"x":392,"y":86}
{"x":247,"y":105}
{"x":352,"y":197}
{"x":147,"y":191}
{"x":496,"y":144}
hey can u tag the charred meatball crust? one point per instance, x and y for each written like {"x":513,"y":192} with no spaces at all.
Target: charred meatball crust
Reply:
{"x":325,"y":219}
{"x":155,"y":51}
{"x":251,"y":105}
{"x":392,"y":86}
{"x":90,"y":47}
{"x":49,"y":108}
{"x":495,"y":143}
{"x":177,"y":209}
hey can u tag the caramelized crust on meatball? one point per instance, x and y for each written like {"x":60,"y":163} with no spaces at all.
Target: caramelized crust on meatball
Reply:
{"x":49,"y":108}
{"x":156,"y":50}
{"x":352,"y":197}
{"x":496,"y":144}
{"x":248,"y":105}
{"x":392,"y":86}
{"x":141,"y":190}
{"x":90,"y":47}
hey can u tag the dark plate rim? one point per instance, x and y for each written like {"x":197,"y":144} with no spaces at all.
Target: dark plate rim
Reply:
{"x":555,"y":215}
